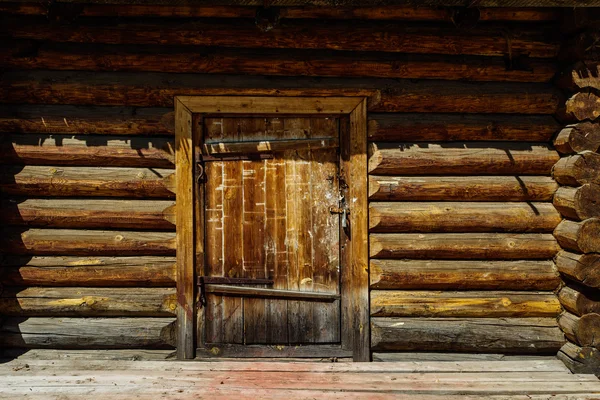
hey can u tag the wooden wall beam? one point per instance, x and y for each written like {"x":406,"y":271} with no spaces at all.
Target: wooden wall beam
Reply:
{"x":582,"y":268}
{"x":584,"y":330}
{"x":581,"y":106}
{"x":578,"y":169}
{"x":580,"y":360}
{"x":578,"y":203}
{"x":578,"y":138}
{"x":579,"y":300}
{"x":579,"y":236}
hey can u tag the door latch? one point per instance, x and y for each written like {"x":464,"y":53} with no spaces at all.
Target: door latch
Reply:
{"x":343,"y":211}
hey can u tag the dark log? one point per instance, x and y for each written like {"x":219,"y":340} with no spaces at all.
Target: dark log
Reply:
{"x":581,"y":76}
{"x":448,"y":128}
{"x":158,"y":90}
{"x":580,"y":360}
{"x":578,"y":169}
{"x":90,"y":333}
{"x":57,"y":181}
{"x":579,"y":236}
{"x":87,"y":243}
{"x":388,"y":303}
{"x":275,"y":63}
{"x":507,"y":359}
{"x":480,"y":335}
{"x":582,"y":268}
{"x":87,"y":120}
{"x":461,"y":159}
{"x":87,"y":302}
{"x":584,"y":330}
{"x":87,"y":151}
{"x":581,"y":106}
{"x":463,"y":275}
{"x":483,"y":246}
{"x":577,"y":138}
{"x":86,"y":355}
{"x":578,"y":203}
{"x":472,"y":188}
{"x":88,"y":271}
{"x":462,"y":217}
{"x":581,"y":46}
{"x":89,"y":213}
{"x":489,"y":40}
{"x":579,"y":300}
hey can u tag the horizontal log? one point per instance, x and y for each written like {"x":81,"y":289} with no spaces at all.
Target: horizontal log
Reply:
{"x":462,"y":217}
{"x":385,"y":95}
{"x":447,"y":128}
{"x":89,"y":213}
{"x":503,"y":360}
{"x":461,"y":159}
{"x":581,"y":76}
{"x":454,"y":188}
{"x":87,"y":151}
{"x":276,"y":63}
{"x":87,"y":120}
{"x":582,"y":268}
{"x":579,"y":236}
{"x":584,"y":330}
{"x":580,"y":360}
{"x":481,"y":335}
{"x":388,"y":303}
{"x":87,"y":243}
{"x":578,"y":137}
{"x":578,"y":203}
{"x":579,"y":300}
{"x":452,"y":246}
{"x":90,"y":333}
{"x":87,"y":302}
{"x":489,"y":40}
{"x":58,"y":181}
{"x":578,"y":169}
{"x":463,"y":275}
{"x":88,"y":271}
{"x":581,"y":106}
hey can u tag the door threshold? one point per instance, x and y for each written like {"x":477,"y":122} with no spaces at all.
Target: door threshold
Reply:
{"x":311,"y":351}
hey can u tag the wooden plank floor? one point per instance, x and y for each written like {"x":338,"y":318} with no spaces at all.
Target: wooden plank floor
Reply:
{"x":80,"y":378}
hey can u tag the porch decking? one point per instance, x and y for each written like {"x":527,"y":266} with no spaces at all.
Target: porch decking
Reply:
{"x":433,"y":380}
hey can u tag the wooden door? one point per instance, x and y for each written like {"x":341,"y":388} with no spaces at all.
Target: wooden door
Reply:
{"x":275,"y":219}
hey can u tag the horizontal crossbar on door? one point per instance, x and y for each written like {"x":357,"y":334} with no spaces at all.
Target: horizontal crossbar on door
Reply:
{"x":271,"y":293}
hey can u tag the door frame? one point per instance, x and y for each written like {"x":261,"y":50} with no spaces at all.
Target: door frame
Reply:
{"x":354,"y":291}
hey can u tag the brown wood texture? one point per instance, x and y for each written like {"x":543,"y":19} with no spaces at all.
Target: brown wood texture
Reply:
{"x":581,"y":106}
{"x":584,"y":330}
{"x":490,"y":40}
{"x":580,"y":360}
{"x":86,"y":242}
{"x":395,"y":303}
{"x":268,"y":146}
{"x":578,"y":137}
{"x":581,"y":76}
{"x":385,"y":95}
{"x":582,"y":268}
{"x":87,"y":302}
{"x":461,"y":159}
{"x":443,"y":128}
{"x":484,"y":335}
{"x":86,"y":151}
{"x":134,"y":271}
{"x":78,"y":333}
{"x":578,"y":169}
{"x":451,"y":188}
{"x":579,"y":300}
{"x":578,"y":203}
{"x":265,"y":293}
{"x":482,"y":246}
{"x":463,"y":275}
{"x":579,"y":236}
{"x":411,"y":217}
{"x":157,"y":215}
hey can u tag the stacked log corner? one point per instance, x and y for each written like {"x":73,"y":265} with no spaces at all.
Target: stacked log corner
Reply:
{"x":578,"y":200}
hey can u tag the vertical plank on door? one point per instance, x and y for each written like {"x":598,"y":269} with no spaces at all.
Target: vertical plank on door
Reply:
{"x":199,"y":213}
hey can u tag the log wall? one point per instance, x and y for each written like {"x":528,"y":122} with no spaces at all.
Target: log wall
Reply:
{"x":460,"y":154}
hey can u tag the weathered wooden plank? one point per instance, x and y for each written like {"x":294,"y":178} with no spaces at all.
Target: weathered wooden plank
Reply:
{"x":578,"y":169}
{"x":463,"y":246}
{"x":257,"y":292}
{"x":584,"y":330}
{"x":135,"y":271}
{"x":463,"y":275}
{"x":393,"y":303}
{"x":580,"y":360}
{"x":270,"y":146}
{"x":581,"y":106}
{"x":73,"y":333}
{"x":489,"y":40}
{"x":578,"y":203}
{"x":445,"y":128}
{"x":451,"y":188}
{"x":582,"y":268}
{"x":89,"y":213}
{"x":237,"y":351}
{"x":579,"y":236}
{"x":87,"y":302}
{"x":461,"y":159}
{"x":578,"y":138}
{"x":579,"y":300}
{"x":126,"y":89}
{"x":58,"y":181}
{"x":85,"y":355}
{"x":42,"y":149}
{"x":482,"y":335}
{"x":460,"y":358}
{"x":87,"y":243}
{"x":413,"y":217}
